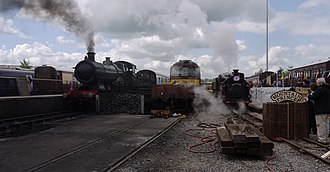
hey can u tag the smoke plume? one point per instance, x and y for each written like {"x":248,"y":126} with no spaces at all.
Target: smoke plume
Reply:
{"x":208,"y":104}
{"x":66,"y":12}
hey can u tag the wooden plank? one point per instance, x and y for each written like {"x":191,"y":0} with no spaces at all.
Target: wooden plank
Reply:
{"x":265,"y":143}
{"x":326,"y":155}
{"x":227,"y":150}
{"x":235,"y":132}
{"x":240,"y":145}
{"x":253,"y":145}
{"x":240,"y":151}
{"x":253,"y":151}
{"x":224,"y":137}
{"x":259,"y":152}
{"x":256,"y":115}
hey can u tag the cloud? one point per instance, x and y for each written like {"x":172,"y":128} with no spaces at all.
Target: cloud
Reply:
{"x":314,"y":4}
{"x":6,"y":26}
{"x":311,"y":53}
{"x":241,"y":45}
{"x":216,"y":34}
{"x":304,"y":24}
{"x":38,"y":54}
{"x":219,"y":10}
{"x":62,"y":40}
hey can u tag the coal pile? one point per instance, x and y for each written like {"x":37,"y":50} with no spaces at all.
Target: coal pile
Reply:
{"x":121,"y":103}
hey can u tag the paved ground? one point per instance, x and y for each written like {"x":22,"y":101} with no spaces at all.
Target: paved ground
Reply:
{"x":87,"y":144}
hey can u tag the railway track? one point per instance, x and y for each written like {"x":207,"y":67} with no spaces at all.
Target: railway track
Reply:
{"x":252,"y":118}
{"x":26,"y":124}
{"x":132,"y":153}
{"x":126,"y":136}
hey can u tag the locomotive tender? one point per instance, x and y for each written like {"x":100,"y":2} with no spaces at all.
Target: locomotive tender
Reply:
{"x":234,"y":89}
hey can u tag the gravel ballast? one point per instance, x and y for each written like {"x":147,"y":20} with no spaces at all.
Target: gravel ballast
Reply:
{"x":170,"y":153}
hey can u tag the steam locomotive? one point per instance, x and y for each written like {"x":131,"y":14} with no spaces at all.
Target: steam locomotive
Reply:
{"x":107,"y":79}
{"x":119,"y":76}
{"x":233,"y":88}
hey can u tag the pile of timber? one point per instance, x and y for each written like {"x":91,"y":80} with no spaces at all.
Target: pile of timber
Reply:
{"x":243,"y":139}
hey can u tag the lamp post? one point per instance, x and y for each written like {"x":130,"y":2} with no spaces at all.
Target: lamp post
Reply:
{"x":266,"y":35}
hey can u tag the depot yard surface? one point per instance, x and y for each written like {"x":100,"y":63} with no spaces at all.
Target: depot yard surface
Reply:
{"x":95,"y":143}
{"x":170,"y":153}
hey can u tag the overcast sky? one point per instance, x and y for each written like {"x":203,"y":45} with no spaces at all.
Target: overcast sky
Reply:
{"x":218,"y":35}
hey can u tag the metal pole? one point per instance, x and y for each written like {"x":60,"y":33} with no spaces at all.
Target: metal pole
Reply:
{"x":266,"y":35}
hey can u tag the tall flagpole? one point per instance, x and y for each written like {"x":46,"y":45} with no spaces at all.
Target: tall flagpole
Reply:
{"x":266,"y":35}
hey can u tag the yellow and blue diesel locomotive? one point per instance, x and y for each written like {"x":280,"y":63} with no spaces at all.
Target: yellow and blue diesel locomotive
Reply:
{"x":178,"y":95}
{"x":185,"y":72}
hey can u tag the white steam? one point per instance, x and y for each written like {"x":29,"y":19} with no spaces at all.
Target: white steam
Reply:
{"x":205,"y":103}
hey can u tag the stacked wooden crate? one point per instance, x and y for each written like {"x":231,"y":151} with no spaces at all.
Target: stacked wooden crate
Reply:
{"x":243,"y":139}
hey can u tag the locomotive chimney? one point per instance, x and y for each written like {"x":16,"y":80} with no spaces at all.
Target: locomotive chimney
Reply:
{"x":91,"y":56}
{"x":107,"y":61}
{"x":235,"y":72}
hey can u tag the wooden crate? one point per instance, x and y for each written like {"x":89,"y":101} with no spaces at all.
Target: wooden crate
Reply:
{"x":287,"y":120}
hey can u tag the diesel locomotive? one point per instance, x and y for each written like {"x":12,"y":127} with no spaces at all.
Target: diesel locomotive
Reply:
{"x":185,"y":72}
{"x":178,"y":95}
{"x":233,"y":89}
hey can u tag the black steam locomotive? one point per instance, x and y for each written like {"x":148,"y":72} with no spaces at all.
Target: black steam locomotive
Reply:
{"x":103,"y":83}
{"x":112,"y":76}
{"x":232,"y":88}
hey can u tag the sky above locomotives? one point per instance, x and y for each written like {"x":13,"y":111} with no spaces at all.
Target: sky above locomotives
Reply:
{"x":219,"y":35}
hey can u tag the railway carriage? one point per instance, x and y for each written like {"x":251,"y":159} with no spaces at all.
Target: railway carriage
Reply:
{"x":41,"y":80}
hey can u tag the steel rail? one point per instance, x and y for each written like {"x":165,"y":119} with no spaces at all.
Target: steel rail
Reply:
{"x":279,"y":139}
{"x":83,"y":147}
{"x":128,"y":156}
{"x":317,"y":143}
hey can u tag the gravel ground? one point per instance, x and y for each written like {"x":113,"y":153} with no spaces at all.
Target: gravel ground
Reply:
{"x":170,"y":153}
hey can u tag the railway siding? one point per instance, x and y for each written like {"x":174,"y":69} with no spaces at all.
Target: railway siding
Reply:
{"x":84,"y":145}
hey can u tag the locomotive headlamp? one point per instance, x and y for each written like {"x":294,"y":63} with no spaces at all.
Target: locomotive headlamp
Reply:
{"x":236,"y":78}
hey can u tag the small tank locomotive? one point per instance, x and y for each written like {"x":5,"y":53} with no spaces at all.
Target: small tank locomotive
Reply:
{"x":233,"y":89}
